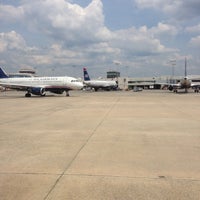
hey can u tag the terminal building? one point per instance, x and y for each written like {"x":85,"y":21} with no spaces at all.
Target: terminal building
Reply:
{"x":23,"y":73}
{"x":127,"y":83}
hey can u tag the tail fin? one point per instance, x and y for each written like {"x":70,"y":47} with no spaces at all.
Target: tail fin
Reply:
{"x":3,"y":74}
{"x":86,"y":75}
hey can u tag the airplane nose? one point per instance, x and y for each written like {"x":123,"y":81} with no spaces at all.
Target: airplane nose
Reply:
{"x":80,"y":85}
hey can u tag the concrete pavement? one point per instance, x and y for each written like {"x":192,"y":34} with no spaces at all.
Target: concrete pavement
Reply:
{"x":100,"y":145}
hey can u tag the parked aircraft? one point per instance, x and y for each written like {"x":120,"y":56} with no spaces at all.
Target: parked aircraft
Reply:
{"x":98,"y":84}
{"x":184,"y":83}
{"x":40,"y":85}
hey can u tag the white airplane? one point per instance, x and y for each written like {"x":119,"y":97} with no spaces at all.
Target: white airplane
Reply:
{"x":98,"y":84}
{"x":40,"y":85}
{"x":184,"y":83}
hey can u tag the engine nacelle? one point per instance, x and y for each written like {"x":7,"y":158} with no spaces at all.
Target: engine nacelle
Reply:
{"x":38,"y":91}
{"x":170,"y":88}
{"x":57,"y":91}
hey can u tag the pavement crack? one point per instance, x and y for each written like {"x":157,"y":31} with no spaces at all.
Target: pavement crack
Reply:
{"x":137,"y":177}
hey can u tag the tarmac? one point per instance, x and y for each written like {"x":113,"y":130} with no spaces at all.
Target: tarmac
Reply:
{"x":100,"y":146}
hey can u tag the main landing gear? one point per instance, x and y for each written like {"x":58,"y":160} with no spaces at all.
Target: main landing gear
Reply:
{"x":28,"y":94}
{"x":67,"y":93}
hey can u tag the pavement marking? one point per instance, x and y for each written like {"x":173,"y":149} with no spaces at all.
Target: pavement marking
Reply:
{"x":81,"y":148}
{"x":108,"y":176}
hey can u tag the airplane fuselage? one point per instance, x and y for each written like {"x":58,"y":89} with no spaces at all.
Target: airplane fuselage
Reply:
{"x":63,"y":82}
{"x":185,"y":83}
{"x":100,"y":83}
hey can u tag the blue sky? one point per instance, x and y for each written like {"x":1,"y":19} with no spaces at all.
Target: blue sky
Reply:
{"x":136,"y":37}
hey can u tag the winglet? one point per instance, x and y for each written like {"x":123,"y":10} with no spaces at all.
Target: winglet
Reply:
{"x":86,"y":75}
{"x":3,"y":74}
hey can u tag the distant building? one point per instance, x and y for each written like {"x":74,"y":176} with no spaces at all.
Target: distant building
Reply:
{"x":128,"y":83}
{"x":23,"y":73}
{"x":113,"y":74}
{"x":20,"y":75}
{"x":27,"y":71}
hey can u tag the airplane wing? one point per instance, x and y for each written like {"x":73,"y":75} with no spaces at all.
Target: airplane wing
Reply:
{"x":176,"y":85}
{"x":195,"y":84}
{"x":165,"y":83}
{"x":15,"y":86}
{"x":38,"y":89}
{"x":20,"y":86}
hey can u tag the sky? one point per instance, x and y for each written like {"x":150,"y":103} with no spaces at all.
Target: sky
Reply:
{"x":139,"y":38}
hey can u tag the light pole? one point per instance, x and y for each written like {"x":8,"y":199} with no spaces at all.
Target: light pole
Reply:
{"x":126,"y":67}
{"x":173,"y":63}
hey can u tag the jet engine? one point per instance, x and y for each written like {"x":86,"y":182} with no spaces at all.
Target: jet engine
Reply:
{"x":38,"y":91}
{"x":170,"y":87}
{"x":57,"y":91}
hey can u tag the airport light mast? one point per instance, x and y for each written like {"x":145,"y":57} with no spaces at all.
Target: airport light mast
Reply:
{"x":173,"y":63}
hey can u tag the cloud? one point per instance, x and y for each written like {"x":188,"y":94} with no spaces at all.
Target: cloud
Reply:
{"x":195,"y":42}
{"x":149,"y":4}
{"x":139,"y":42}
{"x":180,"y":9}
{"x":68,"y":22}
{"x":14,"y":52}
{"x":11,"y":41}
{"x":164,"y":29}
{"x":68,"y":34}
{"x":193,"y":29}
{"x":11,"y":14}
{"x":130,"y":42}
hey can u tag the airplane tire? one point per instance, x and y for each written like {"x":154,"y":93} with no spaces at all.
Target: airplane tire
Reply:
{"x":67,"y":93}
{"x":27,"y":95}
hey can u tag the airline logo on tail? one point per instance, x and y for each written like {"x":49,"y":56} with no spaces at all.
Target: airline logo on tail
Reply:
{"x":3,"y":74}
{"x":86,"y":75}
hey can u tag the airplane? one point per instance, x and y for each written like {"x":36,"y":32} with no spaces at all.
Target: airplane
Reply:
{"x":40,"y":85}
{"x":98,"y":84}
{"x":184,"y":83}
